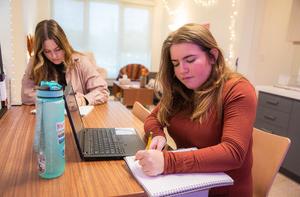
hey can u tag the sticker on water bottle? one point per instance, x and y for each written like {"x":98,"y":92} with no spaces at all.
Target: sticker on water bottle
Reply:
{"x":41,"y":163}
{"x":60,"y":129}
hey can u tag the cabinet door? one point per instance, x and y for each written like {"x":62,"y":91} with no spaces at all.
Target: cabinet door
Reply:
{"x":273,"y":113}
{"x":292,"y":160}
{"x":275,"y":102}
{"x":271,"y":120}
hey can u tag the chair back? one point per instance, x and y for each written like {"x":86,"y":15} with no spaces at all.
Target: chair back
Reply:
{"x":140,"y":111}
{"x":269,"y":151}
{"x":133,"y":71}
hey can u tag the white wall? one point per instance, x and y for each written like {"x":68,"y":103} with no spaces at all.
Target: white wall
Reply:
{"x":5,"y":33}
{"x":157,"y":35}
{"x":13,"y":45}
{"x":218,"y":16}
{"x":17,"y":19}
{"x":248,"y":30}
{"x":273,"y":53}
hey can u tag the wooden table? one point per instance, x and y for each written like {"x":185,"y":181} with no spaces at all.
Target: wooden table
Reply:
{"x":132,"y":92}
{"x":18,"y":165}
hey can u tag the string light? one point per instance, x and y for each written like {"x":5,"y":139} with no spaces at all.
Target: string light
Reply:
{"x":166,"y":5}
{"x":175,"y":11}
{"x":10,"y":68}
{"x":232,"y":35}
{"x":180,"y":19}
{"x":179,"y":15}
{"x":206,"y":3}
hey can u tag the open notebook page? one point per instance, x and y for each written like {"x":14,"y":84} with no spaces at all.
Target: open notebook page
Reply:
{"x":176,"y":184}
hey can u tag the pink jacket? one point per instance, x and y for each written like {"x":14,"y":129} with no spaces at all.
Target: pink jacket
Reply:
{"x":84,"y":78}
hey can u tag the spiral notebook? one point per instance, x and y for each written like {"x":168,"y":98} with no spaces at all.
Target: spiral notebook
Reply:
{"x":176,"y":184}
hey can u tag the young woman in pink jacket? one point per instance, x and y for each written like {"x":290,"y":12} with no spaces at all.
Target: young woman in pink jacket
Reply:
{"x":55,"y":59}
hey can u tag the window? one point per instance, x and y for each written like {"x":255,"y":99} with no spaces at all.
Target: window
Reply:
{"x":118,"y":32}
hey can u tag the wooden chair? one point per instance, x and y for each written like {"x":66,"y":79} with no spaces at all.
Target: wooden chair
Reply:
{"x":133,"y":71}
{"x":142,"y":113}
{"x":30,"y":44}
{"x":269,"y":151}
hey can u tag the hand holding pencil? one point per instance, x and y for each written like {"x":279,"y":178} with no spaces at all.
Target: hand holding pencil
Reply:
{"x":151,"y":159}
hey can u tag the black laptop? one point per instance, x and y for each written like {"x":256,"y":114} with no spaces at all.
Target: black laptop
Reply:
{"x":100,"y":143}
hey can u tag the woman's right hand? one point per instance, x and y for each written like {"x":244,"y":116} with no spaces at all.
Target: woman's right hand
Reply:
{"x":151,"y":161}
{"x":158,"y":143}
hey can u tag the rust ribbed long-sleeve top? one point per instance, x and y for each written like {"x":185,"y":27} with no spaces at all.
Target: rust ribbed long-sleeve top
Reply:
{"x":223,"y":145}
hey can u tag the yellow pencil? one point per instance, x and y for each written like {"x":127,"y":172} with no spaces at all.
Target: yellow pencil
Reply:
{"x":149,"y":141}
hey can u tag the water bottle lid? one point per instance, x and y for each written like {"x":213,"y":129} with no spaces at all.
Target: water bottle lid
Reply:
{"x":49,"y":89}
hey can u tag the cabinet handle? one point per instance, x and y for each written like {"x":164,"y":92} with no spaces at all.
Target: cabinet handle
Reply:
{"x":266,"y":130}
{"x":272,"y":102}
{"x":270,"y":117}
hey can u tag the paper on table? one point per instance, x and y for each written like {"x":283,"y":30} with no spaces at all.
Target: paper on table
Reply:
{"x":84,"y":110}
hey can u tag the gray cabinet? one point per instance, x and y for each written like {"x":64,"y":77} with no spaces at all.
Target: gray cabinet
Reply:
{"x":281,"y":116}
{"x":292,"y":161}
{"x":273,"y":113}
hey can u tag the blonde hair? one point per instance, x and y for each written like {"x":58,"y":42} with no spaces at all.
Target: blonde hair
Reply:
{"x":42,"y":67}
{"x":176,"y":97}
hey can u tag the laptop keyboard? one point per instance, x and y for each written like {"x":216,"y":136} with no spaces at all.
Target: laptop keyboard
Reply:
{"x":102,"y":141}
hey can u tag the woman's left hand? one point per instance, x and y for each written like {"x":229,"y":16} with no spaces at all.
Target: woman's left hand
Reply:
{"x":151,"y":161}
{"x":80,"y":100}
{"x":158,"y":143}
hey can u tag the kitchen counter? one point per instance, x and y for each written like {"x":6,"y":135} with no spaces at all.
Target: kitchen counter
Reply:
{"x":285,"y":91}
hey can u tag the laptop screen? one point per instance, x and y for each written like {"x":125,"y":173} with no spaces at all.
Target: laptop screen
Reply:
{"x":73,"y":109}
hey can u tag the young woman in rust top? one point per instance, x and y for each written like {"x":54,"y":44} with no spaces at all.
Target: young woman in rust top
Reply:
{"x":203,"y":105}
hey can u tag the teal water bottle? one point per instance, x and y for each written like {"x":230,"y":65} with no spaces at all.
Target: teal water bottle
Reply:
{"x":49,"y":140}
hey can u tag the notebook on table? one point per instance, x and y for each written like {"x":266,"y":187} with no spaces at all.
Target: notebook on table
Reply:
{"x":183,"y":184}
{"x":100,"y":143}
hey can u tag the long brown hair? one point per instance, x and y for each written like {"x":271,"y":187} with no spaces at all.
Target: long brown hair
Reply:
{"x":42,"y":67}
{"x":176,"y":97}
